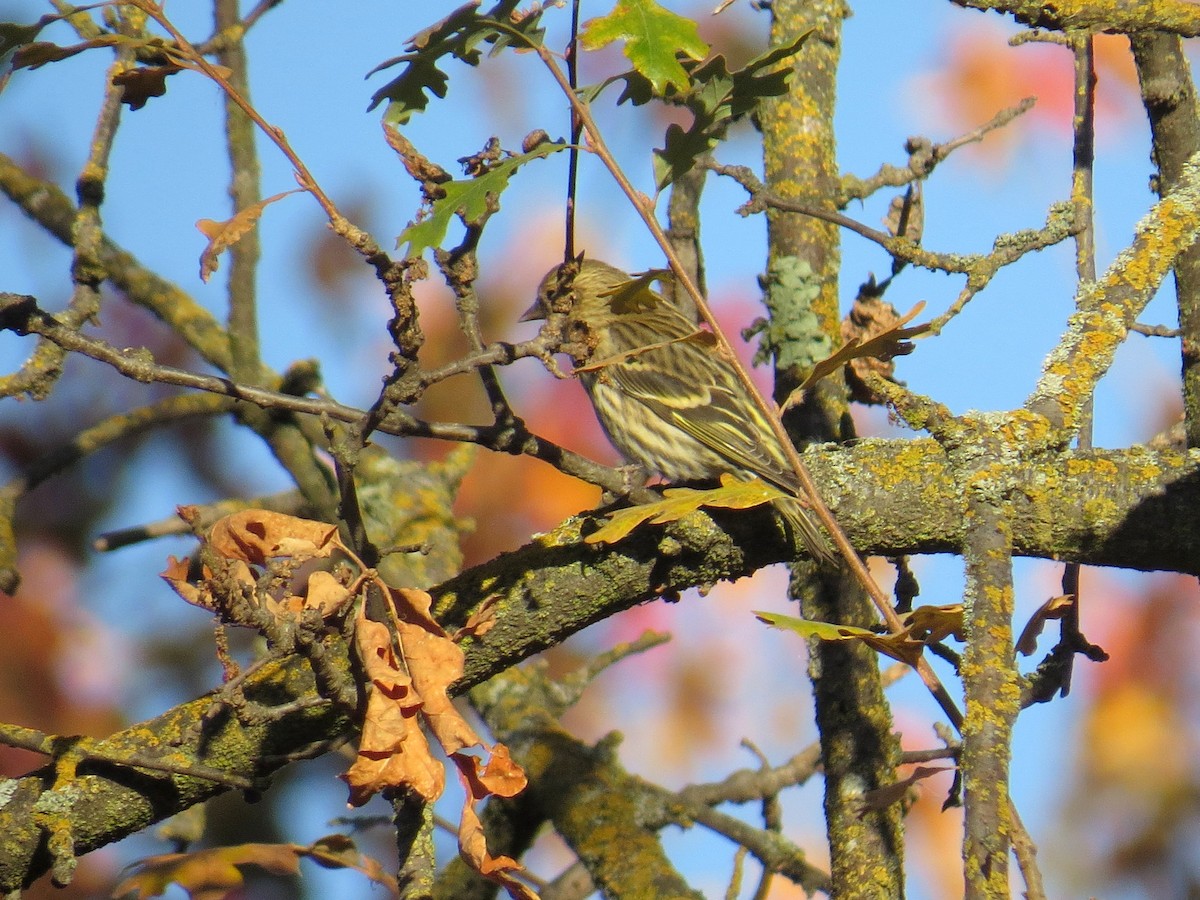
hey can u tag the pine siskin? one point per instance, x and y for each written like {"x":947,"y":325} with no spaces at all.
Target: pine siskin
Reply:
{"x":667,"y":401}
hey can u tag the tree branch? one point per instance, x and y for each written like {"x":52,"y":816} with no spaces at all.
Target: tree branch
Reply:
{"x":1169,"y":96}
{"x":1178,"y":16}
{"x":1107,"y":308}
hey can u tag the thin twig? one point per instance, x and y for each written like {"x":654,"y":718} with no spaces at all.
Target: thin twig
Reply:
{"x":924,"y":155}
{"x":576,"y":130}
{"x":244,"y":192}
{"x":979,"y":268}
{"x":388,"y":271}
{"x":1162,"y":331}
{"x":21,"y":314}
{"x":112,"y":429}
{"x":275,"y":135}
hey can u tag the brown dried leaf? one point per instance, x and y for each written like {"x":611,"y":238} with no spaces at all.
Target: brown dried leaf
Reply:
{"x":315,"y":589}
{"x":207,"y":874}
{"x":501,"y":776}
{"x":141,"y":83}
{"x":876,"y":326}
{"x":259,"y":535}
{"x":320,"y":591}
{"x":410,"y":672}
{"x":177,"y":574}
{"x":393,"y":753}
{"x":195,"y":583}
{"x":481,"y":621}
{"x":883,"y":797}
{"x":414,"y":606}
{"x":325,"y":593}
{"x":898,"y":646}
{"x":223,"y":235}
{"x":434,"y":663}
{"x":1054,"y":608}
{"x":881,"y":325}
{"x":935,"y":623}
{"x":472,"y":847}
{"x":373,"y":642}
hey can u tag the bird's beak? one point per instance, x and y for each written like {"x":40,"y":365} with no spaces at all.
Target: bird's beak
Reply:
{"x":534,"y":313}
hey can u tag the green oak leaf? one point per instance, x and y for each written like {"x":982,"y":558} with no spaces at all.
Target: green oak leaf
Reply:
{"x":460,"y":36}
{"x":716,"y":97}
{"x":653,"y":36}
{"x":471,"y":199}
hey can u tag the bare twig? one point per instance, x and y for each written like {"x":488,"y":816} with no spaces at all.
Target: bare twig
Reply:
{"x":1162,"y":331}
{"x":389,"y":272}
{"x":37,"y":377}
{"x":107,"y":432}
{"x":924,"y":156}
{"x":244,"y":192}
{"x":21,"y":314}
{"x":48,"y":206}
{"x":979,"y":268}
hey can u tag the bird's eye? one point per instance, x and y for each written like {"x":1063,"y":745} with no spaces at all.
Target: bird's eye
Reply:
{"x":577,"y":331}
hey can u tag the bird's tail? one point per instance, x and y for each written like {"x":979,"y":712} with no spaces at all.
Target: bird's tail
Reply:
{"x":803,"y":524}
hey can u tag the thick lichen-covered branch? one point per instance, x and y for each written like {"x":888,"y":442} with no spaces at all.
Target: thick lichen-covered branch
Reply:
{"x":596,"y":806}
{"x":990,"y":684}
{"x":1107,"y":308}
{"x":102,"y":802}
{"x":1178,"y":16}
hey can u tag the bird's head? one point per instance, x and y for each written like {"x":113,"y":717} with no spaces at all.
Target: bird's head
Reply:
{"x":593,"y":291}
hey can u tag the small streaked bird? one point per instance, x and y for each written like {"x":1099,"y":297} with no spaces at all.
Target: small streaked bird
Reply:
{"x":666,"y":399}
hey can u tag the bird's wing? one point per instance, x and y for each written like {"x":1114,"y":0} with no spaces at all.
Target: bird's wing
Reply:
{"x":685,"y":385}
